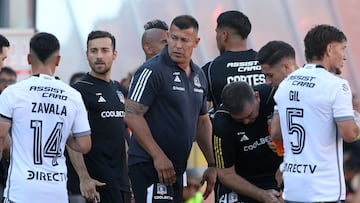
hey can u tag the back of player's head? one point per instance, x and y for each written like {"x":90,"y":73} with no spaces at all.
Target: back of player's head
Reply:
{"x":7,"y":70}
{"x":101,"y":34}
{"x":159,"y":24}
{"x":185,"y":22}
{"x":274,"y":51}
{"x":235,"y":20}
{"x":318,"y":38}
{"x":236,"y":95}
{"x":4,"y":42}
{"x":44,"y":45}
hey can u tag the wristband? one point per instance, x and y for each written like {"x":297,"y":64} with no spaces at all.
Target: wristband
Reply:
{"x":211,"y":165}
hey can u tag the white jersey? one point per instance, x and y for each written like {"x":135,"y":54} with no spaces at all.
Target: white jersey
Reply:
{"x":43,"y":112}
{"x":310,"y":101}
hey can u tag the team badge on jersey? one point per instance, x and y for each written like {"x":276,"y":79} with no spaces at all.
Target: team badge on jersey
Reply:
{"x":197,"y":81}
{"x":161,"y":189}
{"x":121,"y":96}
{"x":345,"y":88}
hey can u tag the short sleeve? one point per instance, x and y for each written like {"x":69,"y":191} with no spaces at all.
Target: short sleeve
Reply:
{"x":342,"y":102}
{"x":144,"y":86}
{"x":6,"y":109}
{"x":223,"y":141}
{"x":81,"y":125}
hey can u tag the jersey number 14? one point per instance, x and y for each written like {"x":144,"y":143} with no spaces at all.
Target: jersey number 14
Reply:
{"x":51,"y":147}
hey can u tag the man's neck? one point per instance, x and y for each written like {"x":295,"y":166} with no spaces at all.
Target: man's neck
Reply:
{"x":237,"y":45}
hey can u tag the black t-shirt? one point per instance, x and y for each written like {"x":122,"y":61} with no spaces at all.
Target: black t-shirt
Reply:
{"x":245,"y":146}
{"x":231,"y":67}
{"x":105,"y":102}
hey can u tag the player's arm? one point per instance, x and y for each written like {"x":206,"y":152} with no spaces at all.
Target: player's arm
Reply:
{"x":4,"y":137}
{"x":348,"y":130}
{"x":233,"y":181}
{"x":87,"y":184}
{"x":275,"y":132}
{"x":80,"y":144}
{"x":204,"y":140}
{"x":134,"y":118}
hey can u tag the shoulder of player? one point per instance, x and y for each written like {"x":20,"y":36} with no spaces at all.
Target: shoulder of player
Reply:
{"x":223,"y":123}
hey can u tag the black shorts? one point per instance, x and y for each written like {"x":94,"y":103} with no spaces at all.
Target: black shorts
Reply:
{"x":146,"y":187}
{"x":114,"y":196}
{"x":225,"y":195}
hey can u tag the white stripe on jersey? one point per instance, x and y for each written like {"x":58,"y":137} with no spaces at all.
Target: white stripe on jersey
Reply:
{"x":140,"y":85}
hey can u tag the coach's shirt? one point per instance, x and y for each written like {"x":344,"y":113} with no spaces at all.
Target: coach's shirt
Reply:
{"x":105,"y":103}
{"x":43,"y":112}
{"x":175,"y":102}
{"x":245,"y":146}
{"x":232,"y":67}
{"x":310,"y":101}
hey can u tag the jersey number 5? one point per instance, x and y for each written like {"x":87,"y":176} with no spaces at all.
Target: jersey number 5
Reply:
{"x":295,"y":129}
{"x":51,"y":148}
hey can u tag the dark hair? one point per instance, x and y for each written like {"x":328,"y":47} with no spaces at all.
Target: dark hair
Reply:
{"x":8,"y":70}
{"x":44,"y":45}
{"x":274,"y":51}
{"x":101,"y":34}
{"x":235,"y":20}
{"x":317,"y":39}
{"x":185,"y":22}
{"x":236,"y":95}
{"x":159,"y":24}
{"x":3,"y":42}
{"x":76,"y":76}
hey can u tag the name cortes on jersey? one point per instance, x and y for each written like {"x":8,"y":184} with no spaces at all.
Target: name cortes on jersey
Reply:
{"x":243,"y":68}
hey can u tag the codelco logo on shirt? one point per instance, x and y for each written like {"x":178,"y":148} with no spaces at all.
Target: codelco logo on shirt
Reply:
{"x":112,"y":114}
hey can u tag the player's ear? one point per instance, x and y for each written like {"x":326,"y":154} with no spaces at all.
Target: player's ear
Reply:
{"x":257,"y":96}
{"x":29,"y":59}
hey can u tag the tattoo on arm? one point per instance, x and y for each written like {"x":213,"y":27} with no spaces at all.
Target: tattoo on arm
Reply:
{"x":135,"y":108}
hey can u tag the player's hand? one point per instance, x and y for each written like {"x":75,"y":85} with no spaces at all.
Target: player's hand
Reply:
{"x":88,"y":189}
{"x":165,"y":170}
{"x":271,"y":196}
{"x":210,"y":177}
{"x":272,"y":146}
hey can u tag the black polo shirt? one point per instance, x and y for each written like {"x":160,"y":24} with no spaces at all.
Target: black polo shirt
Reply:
{"x":175,"y":102}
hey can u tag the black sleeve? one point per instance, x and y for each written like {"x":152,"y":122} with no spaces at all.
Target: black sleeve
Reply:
{"x":223,"y":140}
{"x":205,"y":69}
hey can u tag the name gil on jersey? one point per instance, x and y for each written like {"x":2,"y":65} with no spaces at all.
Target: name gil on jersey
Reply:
{"x":257,"y":143}
{"x":49,"y":92}
{"x":44,"y":176}
{"x":303,"y":81}
{"x":48,"y":108}
{"x":299,"y":168}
